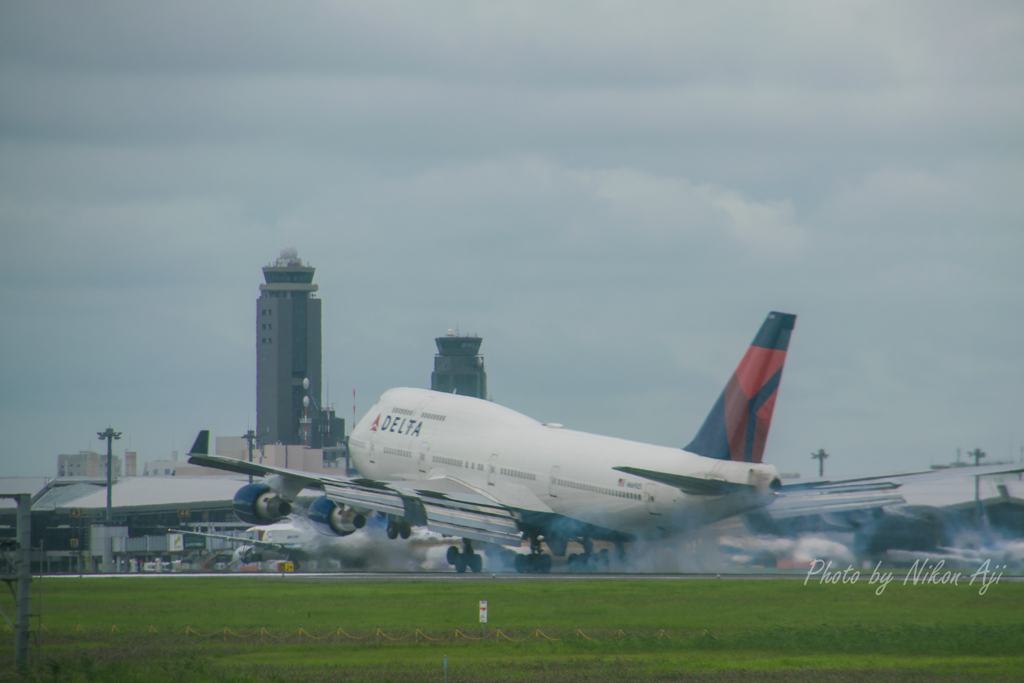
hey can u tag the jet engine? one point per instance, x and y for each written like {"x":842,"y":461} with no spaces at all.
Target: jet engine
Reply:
{"x":258,"y":504}
{"x":340,"y":520}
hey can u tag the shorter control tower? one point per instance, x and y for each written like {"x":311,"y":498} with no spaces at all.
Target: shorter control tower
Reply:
{"x":458,"y":366}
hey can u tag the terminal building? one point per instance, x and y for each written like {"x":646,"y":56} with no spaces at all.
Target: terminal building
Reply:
{"x":458,"y":366}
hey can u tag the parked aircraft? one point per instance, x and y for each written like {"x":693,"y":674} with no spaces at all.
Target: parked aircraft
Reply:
{"x":298,"y":539}
{"x":923,"y":511}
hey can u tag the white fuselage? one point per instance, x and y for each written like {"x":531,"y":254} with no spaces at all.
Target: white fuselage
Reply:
{"x":417,"y":434}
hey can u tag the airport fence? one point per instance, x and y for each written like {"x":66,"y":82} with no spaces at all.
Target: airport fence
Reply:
{"x":902,"y":639}
{"x":339,"y":634}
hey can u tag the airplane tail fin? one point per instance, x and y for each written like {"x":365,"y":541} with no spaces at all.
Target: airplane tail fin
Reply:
{"x":737,"y":426}
{"x":202,"y":444}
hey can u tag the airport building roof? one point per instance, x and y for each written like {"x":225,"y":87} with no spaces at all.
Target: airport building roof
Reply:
{"x":958,"y":492}
{"x":32,"y":485}
{"x":147,"y":491}
{"x":65,"y":496}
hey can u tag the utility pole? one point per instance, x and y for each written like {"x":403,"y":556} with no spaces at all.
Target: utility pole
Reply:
{"x":110,"y":435}
{"x":979,"y":509}
{"x":820,"y":457}
{"x":250,"y":436}
{"x":19,"y":581}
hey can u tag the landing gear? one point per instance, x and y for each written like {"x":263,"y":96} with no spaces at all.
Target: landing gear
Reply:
{"x":533,"y":564}
{"x":589,"y":561}
{"x":398,"y":528}
{"x":536,"y":562}
{"x":467,"y":559}
{"x":593,"y":562}
{"x":620,"y":552}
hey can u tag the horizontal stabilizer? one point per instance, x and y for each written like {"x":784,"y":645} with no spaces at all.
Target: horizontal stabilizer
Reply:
{"x":697,"y":486}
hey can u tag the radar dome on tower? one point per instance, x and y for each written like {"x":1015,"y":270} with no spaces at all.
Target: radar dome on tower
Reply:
{"x":289,"y":256}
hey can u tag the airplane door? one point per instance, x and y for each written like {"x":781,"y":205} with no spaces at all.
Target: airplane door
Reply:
{"x":492,"y":470}
{"x":556,"y":471}
{"x":424,"y":447}
{"x":649,"y":498}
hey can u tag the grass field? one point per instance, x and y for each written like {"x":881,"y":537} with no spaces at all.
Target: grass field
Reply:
{"x":774,"y":630}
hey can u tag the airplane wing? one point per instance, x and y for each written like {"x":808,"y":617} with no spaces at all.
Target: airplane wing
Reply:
{"x":445,"y":505}
{"x":803,"y":502}
{"x":905,"y":477}
{"x":854,"y":493}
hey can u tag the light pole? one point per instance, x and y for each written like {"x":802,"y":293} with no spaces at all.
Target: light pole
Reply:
{"x":250,"y":436}
{"x":110,"y":435}
{"x":820,"y":457}
{"x":979,"y":509}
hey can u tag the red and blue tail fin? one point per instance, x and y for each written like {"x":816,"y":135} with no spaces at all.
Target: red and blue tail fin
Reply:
{"x":737,"y":427}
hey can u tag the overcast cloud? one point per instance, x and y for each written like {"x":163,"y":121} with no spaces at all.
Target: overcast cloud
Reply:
{"x":612,"y":194}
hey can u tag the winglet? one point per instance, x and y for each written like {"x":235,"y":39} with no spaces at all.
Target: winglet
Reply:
{"x":202,"y":444}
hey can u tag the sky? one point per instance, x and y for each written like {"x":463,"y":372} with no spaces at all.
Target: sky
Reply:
{"x":612,"y":194}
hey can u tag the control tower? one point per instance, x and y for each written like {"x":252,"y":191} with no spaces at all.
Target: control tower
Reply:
{"x":287,"y":348}
{"x":458,"y":366}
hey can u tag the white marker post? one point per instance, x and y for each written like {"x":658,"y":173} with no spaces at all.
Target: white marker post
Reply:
{"x":483,"y":615}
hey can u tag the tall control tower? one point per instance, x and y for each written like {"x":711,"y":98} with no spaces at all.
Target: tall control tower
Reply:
{"x":287,"y":348}
{"x":458,"y":366}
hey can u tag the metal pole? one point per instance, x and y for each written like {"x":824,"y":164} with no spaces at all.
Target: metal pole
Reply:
{"x":820,"y":457}
{"x":979,"y":510}
{"x":24,"y":577}
{"x":110,"y":481}
{"x":110,"y":435}
{"x":250,"y":436}
{"x":42,"y":563}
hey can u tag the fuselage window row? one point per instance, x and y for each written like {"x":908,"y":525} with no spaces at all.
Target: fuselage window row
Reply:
{"x":516,"y":473}
{"x":403,"y":411}
{"x":597,"y":489}
{"x":433,"y":416}
{"x":397,"y":451}
{"x":446,"y":461}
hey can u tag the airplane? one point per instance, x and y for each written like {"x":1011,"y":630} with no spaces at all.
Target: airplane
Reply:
{"x":298,"y":539}
{"x":903,"y":512}
{"x":472,"y":469}
{"x":282,"y":540}
{"x":468,"y":468}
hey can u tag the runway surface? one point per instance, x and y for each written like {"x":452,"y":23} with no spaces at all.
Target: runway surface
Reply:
{"x":453,"y":577}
